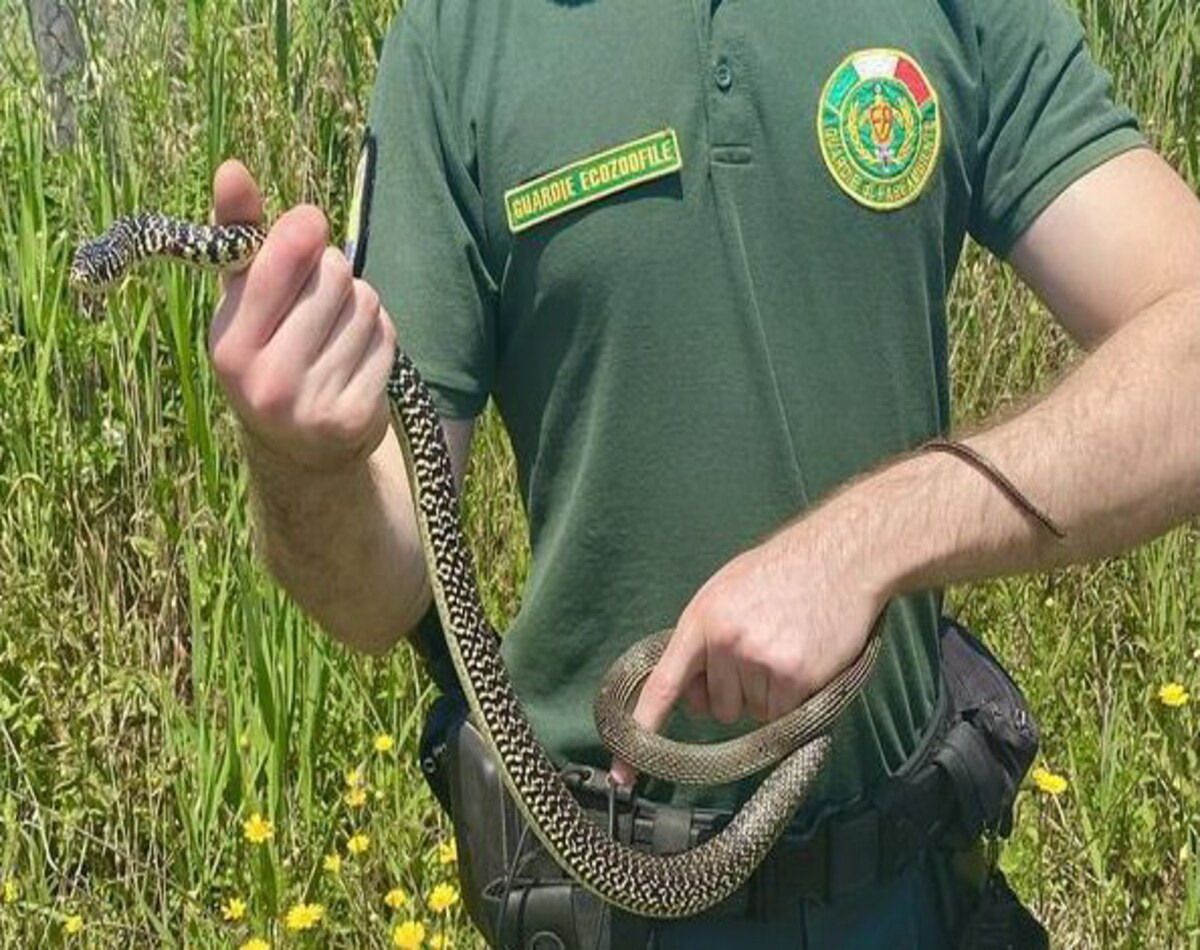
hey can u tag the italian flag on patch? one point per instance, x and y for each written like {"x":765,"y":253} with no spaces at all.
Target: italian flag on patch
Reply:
{"x":880,"y":64}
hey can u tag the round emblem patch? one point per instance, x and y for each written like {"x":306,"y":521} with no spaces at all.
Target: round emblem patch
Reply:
{"x":880,"y":128}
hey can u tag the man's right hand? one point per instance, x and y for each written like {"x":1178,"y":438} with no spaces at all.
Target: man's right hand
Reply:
{"x":303,"y":352}
{"x":302,"y":348}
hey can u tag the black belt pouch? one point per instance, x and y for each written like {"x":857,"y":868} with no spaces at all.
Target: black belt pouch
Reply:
{"x":992,"y":740}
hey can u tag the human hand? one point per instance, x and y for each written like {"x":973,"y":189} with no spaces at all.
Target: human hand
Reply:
{"x":767,"y":631}
{"x":301,"y":348}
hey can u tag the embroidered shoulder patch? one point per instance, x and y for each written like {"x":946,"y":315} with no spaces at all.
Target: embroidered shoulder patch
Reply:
{"x":358,"y":220}
{"x":880,"y":128}
{"x":589,"y":179}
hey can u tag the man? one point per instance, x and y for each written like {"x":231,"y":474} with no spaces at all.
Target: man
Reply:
{"x":699,"y":254}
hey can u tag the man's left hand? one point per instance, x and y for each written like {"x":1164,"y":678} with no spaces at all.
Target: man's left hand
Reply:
{"x":766,"y":631}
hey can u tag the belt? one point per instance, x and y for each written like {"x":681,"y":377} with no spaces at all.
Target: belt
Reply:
{"x":847,"y":851}
{"x":848,"y":848}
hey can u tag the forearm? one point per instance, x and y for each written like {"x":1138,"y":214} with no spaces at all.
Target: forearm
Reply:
{"x":344,"y":543}
{"x":1112,"y":454}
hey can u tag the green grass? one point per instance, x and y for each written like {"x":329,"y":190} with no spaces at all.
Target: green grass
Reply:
{"x":155,"y":689}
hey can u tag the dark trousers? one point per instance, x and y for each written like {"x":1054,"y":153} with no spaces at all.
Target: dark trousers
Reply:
{"x":926,"y":906}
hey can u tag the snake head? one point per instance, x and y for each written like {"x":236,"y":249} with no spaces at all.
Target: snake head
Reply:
{"x":91,"y":269}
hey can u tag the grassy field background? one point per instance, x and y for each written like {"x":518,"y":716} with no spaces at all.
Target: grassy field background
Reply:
{"x":156,"y":691}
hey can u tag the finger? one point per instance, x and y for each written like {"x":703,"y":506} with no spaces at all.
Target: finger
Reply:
{"x":277,"y":276}
{"x":309,"y":322}
{"x":236,"y":198}
{"x":363,"y":398}
{"x":681,"y":661}
{"x":351,"y":337}
{"x":782,"y":698}
{"x":622,"y":773}
{"x":696,"y":696}
{"x":724,"y":688}
{"x":369,"y":380}
{"x":754,"y":684}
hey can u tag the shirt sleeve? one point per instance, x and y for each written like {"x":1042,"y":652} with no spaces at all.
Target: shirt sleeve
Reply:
{"x":421,"y":229}
{"x":1047,"y":119}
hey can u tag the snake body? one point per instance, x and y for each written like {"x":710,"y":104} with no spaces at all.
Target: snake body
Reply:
{"x":101,"y":263}
{"x":676,"y":885}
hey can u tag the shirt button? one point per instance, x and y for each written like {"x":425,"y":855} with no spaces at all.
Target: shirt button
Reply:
{"x":723,"y":74}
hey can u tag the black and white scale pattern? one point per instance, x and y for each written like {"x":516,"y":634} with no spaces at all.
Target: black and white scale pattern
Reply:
{"x":677,"y":885}
{"x":103,"y":262}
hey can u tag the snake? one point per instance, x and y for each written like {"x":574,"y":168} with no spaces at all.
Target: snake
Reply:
{"x":794,"y":747}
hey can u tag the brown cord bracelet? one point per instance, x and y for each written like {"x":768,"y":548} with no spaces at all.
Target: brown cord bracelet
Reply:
{"x":997,"y":478}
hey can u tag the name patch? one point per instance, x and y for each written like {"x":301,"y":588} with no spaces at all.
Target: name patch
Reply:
{"x":590,"y":179}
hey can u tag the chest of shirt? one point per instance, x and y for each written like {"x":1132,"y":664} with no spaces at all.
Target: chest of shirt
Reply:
{"x":852,"y":120}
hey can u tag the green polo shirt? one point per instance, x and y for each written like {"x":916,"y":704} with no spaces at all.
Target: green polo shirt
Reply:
{"x":686,"y":358}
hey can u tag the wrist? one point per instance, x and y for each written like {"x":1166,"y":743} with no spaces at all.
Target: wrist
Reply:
{"x":290,"y":498}
{"x":887,"y":525}
{"x":337,"y":540}
{"x":275,"y":463}
{"x":834,"y":540}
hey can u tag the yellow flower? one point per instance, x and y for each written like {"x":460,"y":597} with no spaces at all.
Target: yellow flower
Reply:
{"x":73,"y":925}
{"x":1174,"y":695}
{"x":354,"y":778}
{"x":443,"y":897}
{"x":358,"y":843}
{"x":448,"y":853}
{"x":11,"y":891}
{"x":258,"y":830}
{"x":384,"y":743}
{"x":234,"y":910}
{"x":355,"y":797}
{"x":1046,"y":781}
{"x":410,"y":935}
{"x":255,"y":943}
{"x":396,"y":898}
{"x":439,"y":942}
{"x":303,"y":916}
{"x":332,"y":863}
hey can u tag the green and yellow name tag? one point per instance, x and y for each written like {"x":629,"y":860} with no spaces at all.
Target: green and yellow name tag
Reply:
{"x":589,"y":179}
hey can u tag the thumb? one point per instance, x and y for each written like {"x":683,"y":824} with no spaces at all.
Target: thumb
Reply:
{"x":682,"y":660}
{"x":236,"y":198}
